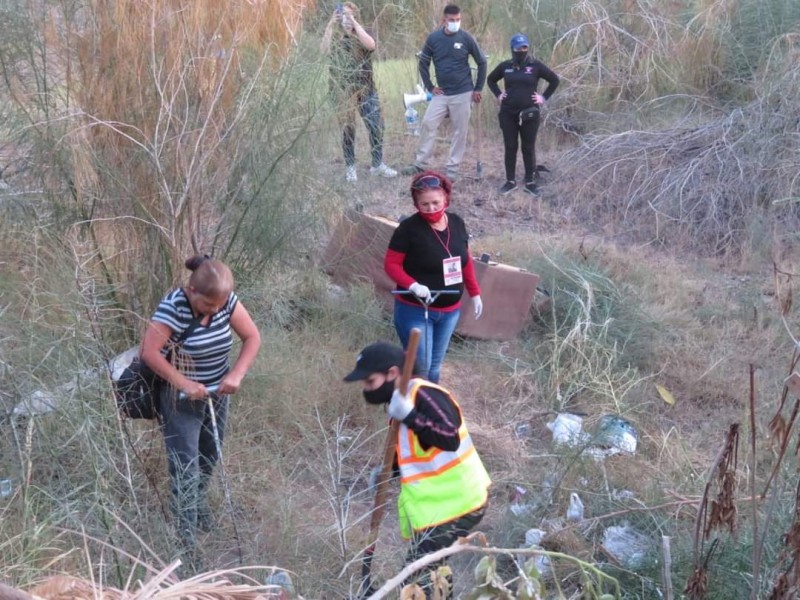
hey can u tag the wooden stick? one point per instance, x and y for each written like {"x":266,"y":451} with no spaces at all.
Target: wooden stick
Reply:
{"x":666,"y":568}
{"x":382,"y":487}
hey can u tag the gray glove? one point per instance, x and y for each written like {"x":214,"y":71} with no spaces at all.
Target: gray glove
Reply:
{"x":400,"y":406}
{"x":421,"y":291}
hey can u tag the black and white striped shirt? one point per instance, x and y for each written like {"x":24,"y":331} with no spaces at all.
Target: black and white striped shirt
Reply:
{"x":205,"y":355}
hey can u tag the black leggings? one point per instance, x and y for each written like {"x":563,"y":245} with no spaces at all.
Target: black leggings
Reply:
{"x":436,"y":538}
{"x":514,"y":132}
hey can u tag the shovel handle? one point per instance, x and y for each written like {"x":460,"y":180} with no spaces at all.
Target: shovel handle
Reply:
{"x":388,"y":449}
{"x":386,"y":469}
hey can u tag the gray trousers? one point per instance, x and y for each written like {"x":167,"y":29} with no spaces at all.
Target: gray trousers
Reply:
{"x":192,"y":454}
{"x":457,"y":108}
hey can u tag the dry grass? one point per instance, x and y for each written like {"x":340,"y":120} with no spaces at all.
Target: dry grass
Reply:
{"x":162,"y":585}
{"x":300,"y":442}
{"x":144,"y":118}
{"x":701,"y":186}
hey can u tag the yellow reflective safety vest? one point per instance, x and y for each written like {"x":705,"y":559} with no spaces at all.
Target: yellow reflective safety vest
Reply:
{"x":437,"y":486}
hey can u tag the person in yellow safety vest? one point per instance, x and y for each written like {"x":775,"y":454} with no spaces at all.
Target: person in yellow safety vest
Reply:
{"x":443,"y":483}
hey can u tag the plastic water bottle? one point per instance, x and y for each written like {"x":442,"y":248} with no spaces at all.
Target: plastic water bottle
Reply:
{"x":412,"y":121}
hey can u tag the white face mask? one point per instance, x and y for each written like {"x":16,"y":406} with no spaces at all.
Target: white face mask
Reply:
{"x":453,"y":27}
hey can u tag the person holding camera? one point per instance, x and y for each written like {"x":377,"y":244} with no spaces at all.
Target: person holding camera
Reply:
{"x":353,"y":90}
{"x":519,"y":109}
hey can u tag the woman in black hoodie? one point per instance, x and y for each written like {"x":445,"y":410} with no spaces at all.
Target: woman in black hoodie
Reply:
{"x":519,"y":108}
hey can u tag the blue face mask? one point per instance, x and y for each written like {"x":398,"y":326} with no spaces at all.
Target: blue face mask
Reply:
{"x":453,"y":27}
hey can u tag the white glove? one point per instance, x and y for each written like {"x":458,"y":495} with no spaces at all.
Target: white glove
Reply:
{"x":420,"y":291}
{"x":400,"y":406}
{"x":477,"y":304}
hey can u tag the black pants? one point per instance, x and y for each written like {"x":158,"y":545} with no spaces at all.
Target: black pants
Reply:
{"x":369,"y":108}
{"x":192,"y":454}
{"x":433,"y":539}
{"x":516,"y":135}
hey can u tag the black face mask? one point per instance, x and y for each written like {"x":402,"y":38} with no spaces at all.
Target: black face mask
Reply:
{"x":381,"y":395}
{"x":519,"y":57}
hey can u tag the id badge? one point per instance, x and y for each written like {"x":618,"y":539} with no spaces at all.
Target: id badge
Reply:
{"x":452,"y":270}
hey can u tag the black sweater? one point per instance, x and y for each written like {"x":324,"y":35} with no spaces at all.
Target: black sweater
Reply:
{"x":425,"y":249}
{"x":435,"y":419}
{"x":520,"y":83}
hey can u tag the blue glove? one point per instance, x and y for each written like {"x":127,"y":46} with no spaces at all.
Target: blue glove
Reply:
{"x":400,"y":406}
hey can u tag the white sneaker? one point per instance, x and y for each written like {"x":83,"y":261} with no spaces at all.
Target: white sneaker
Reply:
{"x":383,"y":170}
{"x":352,"y":174}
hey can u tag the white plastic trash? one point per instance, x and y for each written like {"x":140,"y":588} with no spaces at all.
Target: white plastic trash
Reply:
{"x":616,"y":432}
{"x":533,"y":539}
{"x":575,"y":508}
{"x":280,"y":579}
{"x":629,"y":546}
{"x":566,"y":429}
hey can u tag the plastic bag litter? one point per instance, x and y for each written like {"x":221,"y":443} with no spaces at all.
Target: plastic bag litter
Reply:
{"x":521,"y":504}
{"x":629,"y":546}
{"x":575,"y":508}
{"x":280,"y":579}
{"x":533,"y":539}
{"x":616,"y":433}
{"x":566,"y":430}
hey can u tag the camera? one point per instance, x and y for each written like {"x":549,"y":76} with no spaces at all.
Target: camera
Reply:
{"x":339,"y":9}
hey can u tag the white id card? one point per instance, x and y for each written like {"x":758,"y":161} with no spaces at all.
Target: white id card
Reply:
{"x":452,"y":270}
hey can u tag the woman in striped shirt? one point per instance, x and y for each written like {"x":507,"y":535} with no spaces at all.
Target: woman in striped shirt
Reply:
{"x":209,"y":310}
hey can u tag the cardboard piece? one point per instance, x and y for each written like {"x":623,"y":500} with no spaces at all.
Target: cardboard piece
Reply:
{"x":356,"y":251}
{"x":507,"y":293}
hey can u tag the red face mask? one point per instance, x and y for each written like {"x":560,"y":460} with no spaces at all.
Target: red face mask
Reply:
{"x":432,"y":217}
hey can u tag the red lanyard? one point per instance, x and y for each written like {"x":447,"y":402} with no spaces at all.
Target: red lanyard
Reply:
{"x":445,"y":245}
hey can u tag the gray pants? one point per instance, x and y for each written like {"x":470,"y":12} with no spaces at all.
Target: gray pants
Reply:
{"x":192,"y":453}
{"x":457,"y":108}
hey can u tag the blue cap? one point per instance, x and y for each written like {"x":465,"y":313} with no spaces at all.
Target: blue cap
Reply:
{"x":518,"y":40}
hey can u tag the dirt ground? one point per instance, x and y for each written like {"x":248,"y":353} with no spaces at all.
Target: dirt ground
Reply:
{"x":475,"y":198}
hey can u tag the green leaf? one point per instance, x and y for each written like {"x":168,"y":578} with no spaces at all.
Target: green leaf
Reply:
{"x":529,"y":589}
{"x":484,"y":572}
{"x":530,"y":569}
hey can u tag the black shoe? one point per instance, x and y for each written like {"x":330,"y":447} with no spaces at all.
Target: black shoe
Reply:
{"x":411,"y":170}
{"x":531,"y":189}
{"x":508,"y":187}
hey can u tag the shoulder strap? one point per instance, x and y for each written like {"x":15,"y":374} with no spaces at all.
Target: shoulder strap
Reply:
{"x":182,"y":338}
{"x":188,"y":331}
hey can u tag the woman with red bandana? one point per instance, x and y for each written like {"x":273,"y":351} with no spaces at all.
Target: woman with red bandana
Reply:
{"x":430,"y":251}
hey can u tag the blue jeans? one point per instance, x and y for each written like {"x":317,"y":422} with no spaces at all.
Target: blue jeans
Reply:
{"x":435,"y":335}
{"x":370,"y":110}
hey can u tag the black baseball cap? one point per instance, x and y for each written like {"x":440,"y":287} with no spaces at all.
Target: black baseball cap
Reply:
{"x":376,"y":358}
